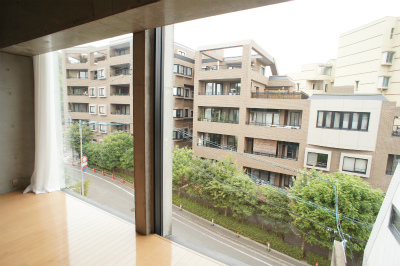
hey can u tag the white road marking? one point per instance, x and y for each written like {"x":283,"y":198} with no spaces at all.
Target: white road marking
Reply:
{"x":222,"y":242}
{"x":103,"y":180}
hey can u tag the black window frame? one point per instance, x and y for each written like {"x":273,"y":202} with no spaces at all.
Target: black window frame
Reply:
{"x":178,"y":114}
{"x":355,"y":159}
{"x":316,"y":165}
{"x":342,"y":113}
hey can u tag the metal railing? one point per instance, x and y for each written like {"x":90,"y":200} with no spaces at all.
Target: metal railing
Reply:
{"x":119,"y":74}
{"x":218,"y":120}
{"x":77,"y":94}
{"x":217,"y":146}
{"x":272,"y":125}
{"x":119,"y":113}
{"x":279,"y":95}
{"x":77,"y":77}
{"x":272,"y":155}
{"x":120,"y":94}
{"x":221,"y":67}
{"x":219,"y":93}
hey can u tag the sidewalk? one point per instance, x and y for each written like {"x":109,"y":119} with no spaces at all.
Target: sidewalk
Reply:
{"x":242,"y":240}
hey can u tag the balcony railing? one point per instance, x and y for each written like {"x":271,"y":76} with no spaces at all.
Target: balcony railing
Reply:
{"x":217,"y":146}
{"x":218,"y":120}
{"x":120,"y":94}
{"x":78,"y":111}
{"x":220,"y":67}
{"x":219,"y":93}
{"x":77,"y":94}
{"x":119,"y":113}
{"x":77,"y":77}
{"x":119,"y":74}
{"x":272,"y":155}
{"x":272,"y":125}
{"x":279,"y":95}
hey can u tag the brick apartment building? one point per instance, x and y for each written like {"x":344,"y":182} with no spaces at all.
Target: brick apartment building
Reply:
{"x":237,"y":107}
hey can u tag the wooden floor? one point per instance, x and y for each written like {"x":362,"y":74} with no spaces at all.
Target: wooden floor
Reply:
{"x":58,"y":229}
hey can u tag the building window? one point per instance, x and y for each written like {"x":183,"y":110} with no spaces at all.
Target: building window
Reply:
{"x":295,"y":119}
{"x":392,"y":162}
{"x":92,"y":109}
{"x":181,"y":53}
{"x":92,"y":92}
{"x":391,"y":33}
{"x":357,"y":84}
{"x":83,"y":74}
{"x":262,"y":70}
{"x":187,"y":93}
{"x":343,"y":120}
{"x":191,"y":113}
{"x":214,"y":88}
{"x":387,"y":58}
{"x":326,"y":87}
{"x":317,"y":159}
{"x":101,"y":73}
{"x":176,"y":135}
{"x":355,"y":165}
{"x":186,"y":112}
{"x":394,"y":223}
{"x":102,"y":110}
{"x":235,"y":89}
{"x":102,"y":92}
{"x":383,"y":82}
{"x":92,"y":126}
{"x":288,"y":181}
{"x":178,"y":91}
{"x":264,"y":117}
{"x":177,"y":113}
{"x":102,"y":128}
{"x":183,"y":70}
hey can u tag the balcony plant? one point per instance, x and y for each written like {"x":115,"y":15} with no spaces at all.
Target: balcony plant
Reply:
{"x":223,"y":118}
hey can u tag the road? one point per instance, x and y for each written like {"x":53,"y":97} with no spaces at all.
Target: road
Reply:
{"x":187,"y":229}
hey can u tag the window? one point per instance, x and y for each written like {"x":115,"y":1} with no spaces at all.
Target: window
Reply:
{"x":233,"y":115}
{"x":102,"y":127}
{"x":383,"y":82}
{"x":326,"y":87}
{"x":178,"y":91}
{"x":101,"y":73}
{"x":264,"y":117}
{"x":214,"y":88}
{"x":102,"y":92}
{"x":298,"y":86}
{"x":187,"y":93}
{"x":92,"y":109}
{"x":189,"y":71}
{"x":177,"y":113}
{"x":295,"y":119}
{"x":394,"y":223}
{"x":212,"y":140}
{"x":392,"y":162}
{"x":343,"y":120}
{"x":288,"y":180}
{"x":262,"y":70}
{"x":235,"y":89}
{"x":92,"y":126}
{"x":181,"y":53}
{"x":317,"y":159}
{"x":183,"y":70}
{"x":191,"y":113}
{"x":313,"y":86}
{"x":391,"y":33}
{"x":355,"y":165}
{"x":92,"y":92}
{"x":176,"y":135}
{"x":83,"y":74}
{"x":102,"y":110}
{"x":357,"y":84}
{"x":186,"y":112}
{"x":387,"y":58}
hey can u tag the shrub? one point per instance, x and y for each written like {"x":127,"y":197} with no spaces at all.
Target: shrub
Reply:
{"x":314,"y":258}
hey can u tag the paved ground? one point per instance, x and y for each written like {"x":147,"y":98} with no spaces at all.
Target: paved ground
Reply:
{"x":188,"y":230}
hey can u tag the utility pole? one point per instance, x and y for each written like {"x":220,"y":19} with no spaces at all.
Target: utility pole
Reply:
{"x":80,"y":132}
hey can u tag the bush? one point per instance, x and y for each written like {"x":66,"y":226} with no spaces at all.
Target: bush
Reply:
{"x":314,"y":258}
{"x":77,"y":188}
{"x":245,"y":228}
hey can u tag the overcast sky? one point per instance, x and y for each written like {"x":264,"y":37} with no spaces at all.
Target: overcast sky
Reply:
{"x":294,"y":33}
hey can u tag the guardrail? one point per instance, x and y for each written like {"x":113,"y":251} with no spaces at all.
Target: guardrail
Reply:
{"x":279,"y":95}
{"x":218,"y":146}
{"x":272,"y":125}
{"x":218,"y":93}
{"x":218,"y":120}
{"x":271,"y":155}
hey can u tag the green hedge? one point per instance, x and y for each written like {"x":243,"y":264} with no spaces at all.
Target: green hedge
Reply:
{"x":313,"y":258}
{"x":246,"y":228}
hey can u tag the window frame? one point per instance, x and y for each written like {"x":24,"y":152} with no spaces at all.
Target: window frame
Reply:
{"x":318,"y":151}
{"x":393,"y":229}
{"x":95,"y":109}
{"x":103,"y":125}
{"x":94,"y":92}
{"x":103,"y":71}
{"x":93,"y":126}
{"x":356,"y":156}
{"x":105,"y":109}
{"x":331,"y":123}
{"x":105,"y":91}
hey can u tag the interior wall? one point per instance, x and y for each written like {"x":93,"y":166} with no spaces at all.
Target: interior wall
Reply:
{"x":17,"y":134}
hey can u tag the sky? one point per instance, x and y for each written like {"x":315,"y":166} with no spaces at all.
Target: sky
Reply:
{"x":294,"y":33}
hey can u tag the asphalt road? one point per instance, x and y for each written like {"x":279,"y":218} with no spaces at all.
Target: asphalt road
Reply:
{"x":187,"y":229}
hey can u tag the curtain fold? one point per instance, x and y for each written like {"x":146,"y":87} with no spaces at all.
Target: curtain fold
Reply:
{"x":47,"y":175}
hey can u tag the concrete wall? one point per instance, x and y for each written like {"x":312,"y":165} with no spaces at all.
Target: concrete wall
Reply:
{"x":17,"y":134}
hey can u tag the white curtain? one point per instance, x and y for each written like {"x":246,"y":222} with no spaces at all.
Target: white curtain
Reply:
{"x":47,"y":175}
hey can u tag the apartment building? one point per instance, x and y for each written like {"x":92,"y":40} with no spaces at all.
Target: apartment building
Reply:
{"x":98,"y":87}
{"x":367,"y":62}
{"x":183,"y":94}
{"x":239,"y":107}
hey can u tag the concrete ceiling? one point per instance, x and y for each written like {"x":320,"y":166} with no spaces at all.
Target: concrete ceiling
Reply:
{"x":31,"y":27}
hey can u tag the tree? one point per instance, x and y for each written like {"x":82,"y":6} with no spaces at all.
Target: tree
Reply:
{"x":277,"y":217}
{"x":92,"y":151}
{"x":356,"y":199}
{"x":74,"y":136}
{"x":127,"y":160}
{"x":114,"y":147}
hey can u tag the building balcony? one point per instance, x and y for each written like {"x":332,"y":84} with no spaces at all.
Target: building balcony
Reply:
{"x":217,"y":146}
{"x":279,"y":95}
{"x":221,"y":67}
{"x":272,"y":125}
{"x":219,"y":93}
{"x":272,"y":155}
{"x":218,"y":120}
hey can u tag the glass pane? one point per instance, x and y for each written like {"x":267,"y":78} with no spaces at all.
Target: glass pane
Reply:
{"x":328,"y":119}
{"x":364,"y":121}
{"x":361,"y":166}
{"x":348,"y":164}
{"x":354,"y":124}
{"x":346,"y":118}
{"x":336,"y":122}
{"x":276,"y":118}
{"x":322,"y":160}
{"x":268,"y":120}
{"x":312,"y":158}
{"x":320,"y":118}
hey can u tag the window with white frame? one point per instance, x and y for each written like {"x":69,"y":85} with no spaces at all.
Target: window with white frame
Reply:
{"x":178,"y":91}
{"x":102,"y":110}
{"x":103,"y":127}
{"x":181,"y":53}
{"x":92,"y":109}
{"x":92,"y":92}
{"x":101,"y":73}
{"x":354,"y":165}
{"x":92,"y":125}
{"x":262,"y":70}
{"x":383,"y":82}
{"x":102,"y":92}
{"x":320,"y":159}
{"x":387,"y":58}
{"x":391,"y":33}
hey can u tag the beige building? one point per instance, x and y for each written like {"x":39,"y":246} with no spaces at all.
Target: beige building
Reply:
{"x":98,"y":87}
{"x":183,"y":94}
{"x":239,"y":107}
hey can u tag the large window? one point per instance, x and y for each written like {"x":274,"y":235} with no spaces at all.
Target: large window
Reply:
{"x":317,"y":159}
{"x":383,"y":82}
{"x":295,"y":119}
{"x":264,"y":117}
{"x":355,"y":165}
{"x":343,"y":120}
{"x":183,"y":70}
{"x":214,"y":88}
{"x":177,"y":113}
